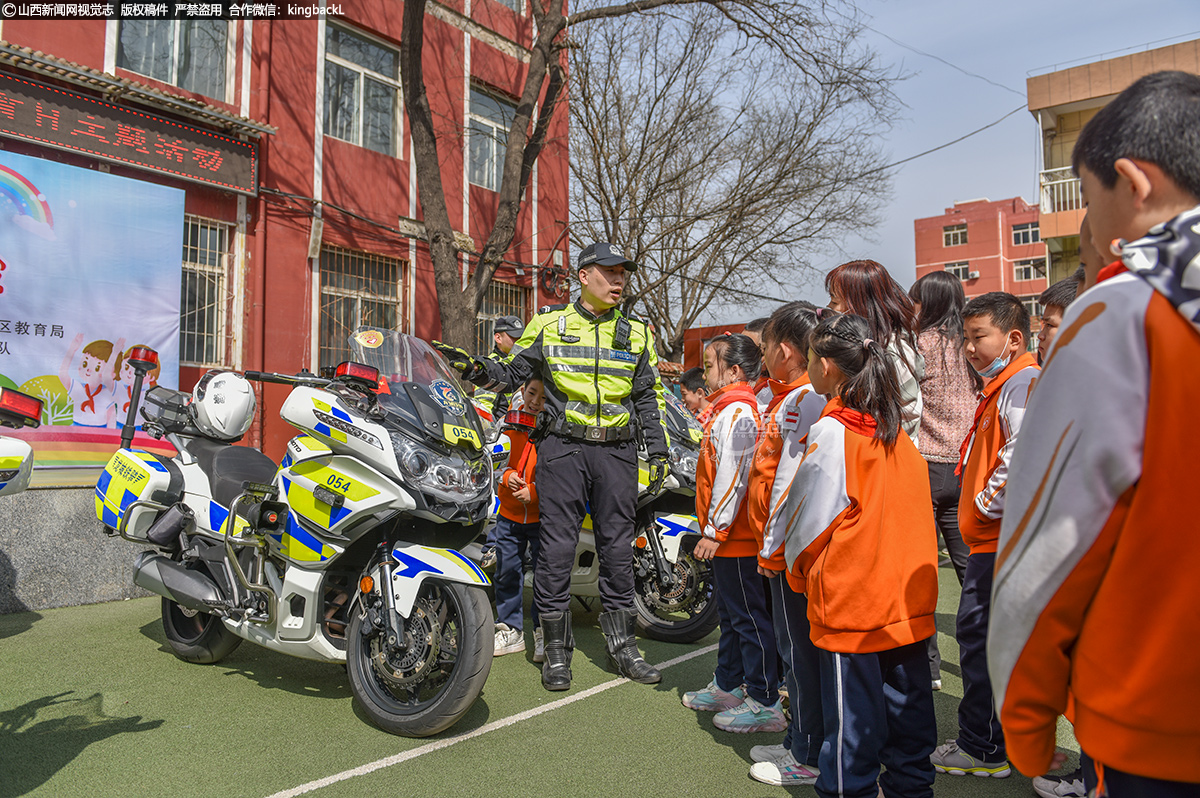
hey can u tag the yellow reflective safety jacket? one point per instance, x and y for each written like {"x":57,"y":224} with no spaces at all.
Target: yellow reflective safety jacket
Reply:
{"x":489,"y":399}
{"x":599,"y":371}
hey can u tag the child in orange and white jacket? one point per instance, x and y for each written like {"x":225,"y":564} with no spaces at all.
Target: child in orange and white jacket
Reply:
{"x":517,"y":527}
{"x":857,"y":515}
{"x":996,"y":335}
{"x":746,"y":651}
{"x":793,"y":408}
{"x":1097,"y":603}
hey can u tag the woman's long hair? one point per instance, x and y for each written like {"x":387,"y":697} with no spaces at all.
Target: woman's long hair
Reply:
{"x":867,"y":290}
{"x":871,"y":385}
{"x":941,"y":297}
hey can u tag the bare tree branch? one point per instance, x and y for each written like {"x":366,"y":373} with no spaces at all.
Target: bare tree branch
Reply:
{"x":744,"y":165}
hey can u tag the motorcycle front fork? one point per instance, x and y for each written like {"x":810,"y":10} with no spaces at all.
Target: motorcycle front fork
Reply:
{"x":386,"y":619}
{"x":662,"y":565}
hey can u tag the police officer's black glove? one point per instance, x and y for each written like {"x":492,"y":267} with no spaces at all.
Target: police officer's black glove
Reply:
{"x":657,"y":464}
{"x":459,"y":359}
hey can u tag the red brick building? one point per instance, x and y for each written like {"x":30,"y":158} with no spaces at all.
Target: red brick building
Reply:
{"x":990,"y":246}
{"x":327,"y":234}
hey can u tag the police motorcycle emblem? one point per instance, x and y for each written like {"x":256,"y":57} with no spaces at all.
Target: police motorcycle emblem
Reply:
{"x":448,"y":397}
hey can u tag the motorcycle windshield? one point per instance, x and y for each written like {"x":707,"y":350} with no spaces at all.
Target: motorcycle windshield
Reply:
{"x":416,"y":384}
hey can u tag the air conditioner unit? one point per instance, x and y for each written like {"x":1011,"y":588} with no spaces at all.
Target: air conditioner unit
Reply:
{"x":972,"y":275}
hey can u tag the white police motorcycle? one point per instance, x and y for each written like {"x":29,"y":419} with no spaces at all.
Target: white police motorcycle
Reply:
{"x":346,"y":551}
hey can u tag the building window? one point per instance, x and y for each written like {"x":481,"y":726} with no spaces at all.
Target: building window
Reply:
{"x":961,"y":270}
{"x":357,"y":289}
{"x":190,"y":54}
{"x":1033,"y":306}
{"x":362,"y":90}
{"x":1026,"y":234}
{"x":202,"y":297}
{"x":490,"y":120}
{"x":515,"y":5}
{"x":503,"y":299}
{"x":1029,"y":269}
{"x":954,"y":235}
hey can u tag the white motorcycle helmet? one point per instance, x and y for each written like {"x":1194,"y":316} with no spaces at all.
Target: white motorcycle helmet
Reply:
{"x":223,"y":405}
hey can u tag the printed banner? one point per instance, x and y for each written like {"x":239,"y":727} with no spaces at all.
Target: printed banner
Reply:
{"x":90,"y":266}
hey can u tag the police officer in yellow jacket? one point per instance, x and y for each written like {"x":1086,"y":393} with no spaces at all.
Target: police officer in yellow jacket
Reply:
{"x":506,"y":331}
{"x":602,"y":386}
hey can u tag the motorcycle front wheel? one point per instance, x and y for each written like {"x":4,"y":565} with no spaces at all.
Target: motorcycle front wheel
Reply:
{"x":196,"y":636}
{"x":683,"y":611}
{"x":427,"y":685}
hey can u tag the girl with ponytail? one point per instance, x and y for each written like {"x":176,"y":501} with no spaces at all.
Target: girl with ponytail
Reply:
{"x":857,"y":516}
{"x":793,"y":407}
{"x":746,"y":653}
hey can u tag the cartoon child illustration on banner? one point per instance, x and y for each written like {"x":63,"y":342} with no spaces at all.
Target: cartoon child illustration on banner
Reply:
{"x":92,"y":390}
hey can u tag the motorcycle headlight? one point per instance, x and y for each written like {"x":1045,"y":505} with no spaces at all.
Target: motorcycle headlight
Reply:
{"x":451,"y":479}
{"x":683,"y":461}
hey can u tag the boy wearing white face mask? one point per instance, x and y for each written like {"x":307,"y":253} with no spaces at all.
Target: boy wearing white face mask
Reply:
{"x":996,"y":337}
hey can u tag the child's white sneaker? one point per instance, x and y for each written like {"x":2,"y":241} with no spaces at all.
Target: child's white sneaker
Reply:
{"x":508,"y":640}
{"x":785,"y":772}
{"x":751,"y":716}
{"x":713,"y":698}
{"x":539,"y":645}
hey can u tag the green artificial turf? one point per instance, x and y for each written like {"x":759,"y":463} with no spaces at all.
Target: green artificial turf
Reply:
{"x":93,"y":703}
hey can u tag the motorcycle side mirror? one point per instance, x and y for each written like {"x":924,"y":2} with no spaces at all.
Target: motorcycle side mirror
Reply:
{"x":492,"y":434}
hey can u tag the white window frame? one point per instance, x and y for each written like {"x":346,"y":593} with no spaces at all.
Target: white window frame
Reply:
{"x":1033,"y":306}
{"x":368,"y":259}
{"x":218,"y":273}
{"x":230,"y":58}
{"x":1030,"y":269}
{"x":954,"y":235}
{"x":364,"y":73}
{"x":960,"y":269}
{"x":499,"y":137}
{"x":1025,"y":234}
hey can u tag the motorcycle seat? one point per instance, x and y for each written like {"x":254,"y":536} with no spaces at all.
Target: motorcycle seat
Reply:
{"x":228,"y":466}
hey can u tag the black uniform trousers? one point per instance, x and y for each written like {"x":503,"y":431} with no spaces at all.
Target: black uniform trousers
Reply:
{"x":574,"y":478}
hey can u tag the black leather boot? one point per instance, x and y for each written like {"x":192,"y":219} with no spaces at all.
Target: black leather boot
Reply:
{"x":622,"y":649}
{"x":560,"y":642}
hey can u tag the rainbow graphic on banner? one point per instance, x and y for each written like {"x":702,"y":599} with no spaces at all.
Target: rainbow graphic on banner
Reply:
{"x":25,"y":196}
{"x":75,"y":454}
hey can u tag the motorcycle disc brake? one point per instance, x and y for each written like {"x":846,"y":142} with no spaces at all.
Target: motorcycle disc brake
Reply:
{"x":409,"y":666}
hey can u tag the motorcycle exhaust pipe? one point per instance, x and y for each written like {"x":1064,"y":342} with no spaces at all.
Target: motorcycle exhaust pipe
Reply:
{"x":164,"y":576}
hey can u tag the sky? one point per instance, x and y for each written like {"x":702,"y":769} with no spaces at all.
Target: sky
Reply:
{"x":1005,"y":42}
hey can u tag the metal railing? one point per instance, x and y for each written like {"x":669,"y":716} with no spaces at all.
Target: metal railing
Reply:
{"x":1060,"y":191}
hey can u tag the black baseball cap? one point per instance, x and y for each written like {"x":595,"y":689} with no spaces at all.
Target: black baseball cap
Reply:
{"x":509,"y":324}
{"x":603,"y":253}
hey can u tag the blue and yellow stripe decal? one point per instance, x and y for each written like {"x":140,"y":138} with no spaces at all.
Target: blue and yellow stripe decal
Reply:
{"x":121,"y":484}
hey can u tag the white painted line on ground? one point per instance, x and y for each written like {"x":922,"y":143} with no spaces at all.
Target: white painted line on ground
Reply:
{"x":438,"y":745}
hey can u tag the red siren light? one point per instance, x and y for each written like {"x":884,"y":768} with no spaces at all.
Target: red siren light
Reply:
{"x":23,"y":409}
{"x":357,"y":371}
{"x":143,"y":357}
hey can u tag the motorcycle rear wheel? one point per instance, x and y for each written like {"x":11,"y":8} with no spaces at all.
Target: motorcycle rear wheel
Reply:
{"x":683,"y":613}
{"x":431,"y":684}
{"x":196,"y":636}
